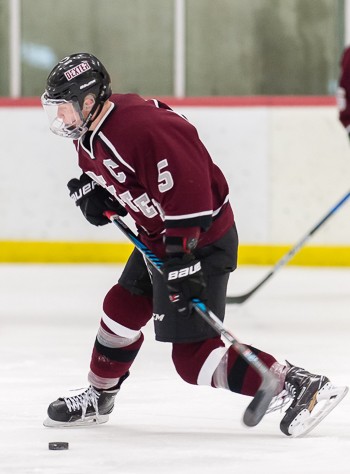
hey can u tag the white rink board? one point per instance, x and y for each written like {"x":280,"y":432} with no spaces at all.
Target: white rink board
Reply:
{"x":286,"y":166}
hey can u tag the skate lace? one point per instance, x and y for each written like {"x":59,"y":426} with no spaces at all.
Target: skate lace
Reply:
{"x":283,"y":398}
{"x":83,"y":400}
{"x":279,"y":401}
{"x":290,"y":388}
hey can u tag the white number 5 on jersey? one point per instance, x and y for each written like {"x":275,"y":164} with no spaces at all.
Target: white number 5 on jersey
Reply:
{"x":165,"y":180}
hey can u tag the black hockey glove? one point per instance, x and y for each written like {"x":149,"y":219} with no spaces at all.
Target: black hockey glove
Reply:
{"x":93,"y":200}
{"x":185,"y":281}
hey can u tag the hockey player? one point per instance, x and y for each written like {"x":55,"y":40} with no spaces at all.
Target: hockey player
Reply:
{"x":343,"y":91}
{"x":140,"y":157}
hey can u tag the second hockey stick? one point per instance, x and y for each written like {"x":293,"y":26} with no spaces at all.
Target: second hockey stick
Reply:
{"x":267,"y":390}
{"x":285,"y":259}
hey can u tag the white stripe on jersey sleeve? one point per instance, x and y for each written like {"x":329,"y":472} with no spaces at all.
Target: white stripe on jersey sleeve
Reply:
{"x":188,"y":216}
{"x":216,"y":212}
{"x":197,"y":214}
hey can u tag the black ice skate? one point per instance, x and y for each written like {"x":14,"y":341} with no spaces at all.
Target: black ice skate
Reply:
{"x":92,"y":406}
{"x":313,"y":398}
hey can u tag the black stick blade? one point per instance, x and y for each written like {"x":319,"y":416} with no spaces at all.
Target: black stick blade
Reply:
{"x":257,"y":408}
{"x":239,"y":299}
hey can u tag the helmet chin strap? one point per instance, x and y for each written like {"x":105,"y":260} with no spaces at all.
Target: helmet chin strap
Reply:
{"x":95,"y":112}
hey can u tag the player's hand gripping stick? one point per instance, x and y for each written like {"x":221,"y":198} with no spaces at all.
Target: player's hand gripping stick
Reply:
{"x":185,"y":280}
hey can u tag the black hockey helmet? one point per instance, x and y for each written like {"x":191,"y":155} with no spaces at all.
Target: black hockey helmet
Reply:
{"x":70,"y":81}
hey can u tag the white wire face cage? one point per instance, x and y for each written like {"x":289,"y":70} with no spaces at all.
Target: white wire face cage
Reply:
{"x":65,"y":117}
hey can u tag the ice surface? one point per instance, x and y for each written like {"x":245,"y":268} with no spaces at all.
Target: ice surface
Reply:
{"x":48,"y":320}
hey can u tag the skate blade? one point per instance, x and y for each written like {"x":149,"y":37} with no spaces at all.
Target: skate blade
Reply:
{"x":87,"y":421}
{"x":326,"y":400}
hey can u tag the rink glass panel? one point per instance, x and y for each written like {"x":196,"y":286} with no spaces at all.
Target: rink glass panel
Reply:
{"x":263,"y":47}
{"x":134,"y":40}
{"x":4,"y":48}
{"x":233,"y":47}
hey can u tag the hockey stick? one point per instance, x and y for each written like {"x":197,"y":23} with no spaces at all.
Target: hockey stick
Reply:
{"x":261,"y":401}
{"x":242,"y":298}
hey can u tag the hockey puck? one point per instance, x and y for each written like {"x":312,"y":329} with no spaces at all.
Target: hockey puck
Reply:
{"x":58,"y":446}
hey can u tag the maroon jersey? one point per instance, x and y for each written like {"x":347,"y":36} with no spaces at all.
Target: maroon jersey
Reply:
{"x":152,"y":160}
{"x":343,"y":92}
